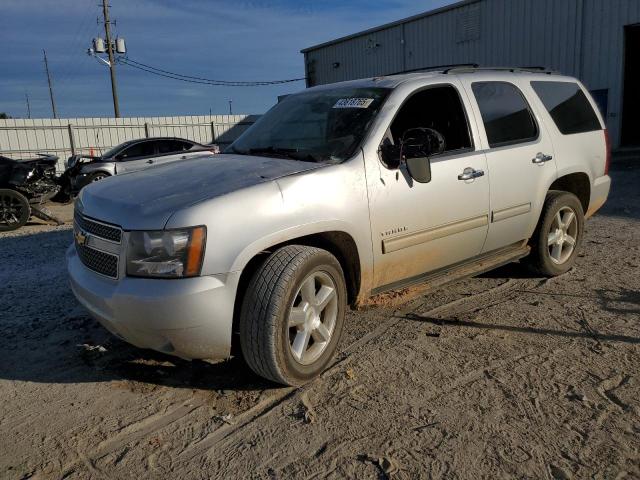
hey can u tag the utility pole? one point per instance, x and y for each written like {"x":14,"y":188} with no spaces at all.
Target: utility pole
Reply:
{"x":26,"y":96}
{"x":46,"y":67}
{"x":112,"y":63}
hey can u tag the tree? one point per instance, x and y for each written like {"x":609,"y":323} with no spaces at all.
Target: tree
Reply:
{"x":4,"y":116}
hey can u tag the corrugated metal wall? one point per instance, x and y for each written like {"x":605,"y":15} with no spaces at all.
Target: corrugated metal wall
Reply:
{"x":22,"y":138}
{"x":584,"y":38}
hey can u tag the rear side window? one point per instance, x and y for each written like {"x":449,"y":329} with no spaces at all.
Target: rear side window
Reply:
{"x":568,"y":106}
{"x":506,"y":115}
{"x":173,"y":146}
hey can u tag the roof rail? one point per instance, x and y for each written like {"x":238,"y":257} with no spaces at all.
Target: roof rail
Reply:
{"x":436,"y":68}
{"x":466,"y":69}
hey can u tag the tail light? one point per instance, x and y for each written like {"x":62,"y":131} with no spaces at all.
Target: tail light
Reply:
{"x":607,"y":142}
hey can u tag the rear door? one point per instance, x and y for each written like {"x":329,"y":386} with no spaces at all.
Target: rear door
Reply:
{"x":520,"y":158}
{"x":138,"y":156}
{"x":172,"y":150}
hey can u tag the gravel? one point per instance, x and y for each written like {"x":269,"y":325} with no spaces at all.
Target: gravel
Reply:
{"x":506,"y":375}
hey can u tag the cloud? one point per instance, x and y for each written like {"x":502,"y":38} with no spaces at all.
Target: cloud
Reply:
{"x":243,"y":40}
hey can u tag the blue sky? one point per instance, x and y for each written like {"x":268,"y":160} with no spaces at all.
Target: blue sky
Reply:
{"x":226,"y":40}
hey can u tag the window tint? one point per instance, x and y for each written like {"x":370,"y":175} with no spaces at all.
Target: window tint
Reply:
{"x":568,"y":106}
{"x":172,"y":146}
{"x":438,"y":108}
{"x":505,"y":113}
{"x":141,"y":149}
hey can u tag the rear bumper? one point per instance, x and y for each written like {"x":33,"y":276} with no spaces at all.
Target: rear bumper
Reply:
{"x":190,"y":318}
{"x":599,"y":194}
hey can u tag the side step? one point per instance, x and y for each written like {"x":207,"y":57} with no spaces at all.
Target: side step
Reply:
{"x":469,"y":268}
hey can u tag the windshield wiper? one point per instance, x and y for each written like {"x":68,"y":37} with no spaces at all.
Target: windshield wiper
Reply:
{"x":292,"y":153}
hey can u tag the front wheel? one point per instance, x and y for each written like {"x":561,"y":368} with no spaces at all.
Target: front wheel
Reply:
{"x":14,"y":210}
{"x":292,"y":314}
{"x":555,"y":243}
{"x":96,"y":177}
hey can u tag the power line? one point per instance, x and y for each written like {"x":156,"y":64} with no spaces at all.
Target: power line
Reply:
{"x":201,"y":80}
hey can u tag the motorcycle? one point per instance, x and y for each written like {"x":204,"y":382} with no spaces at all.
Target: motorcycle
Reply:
{"x":25,"y":185}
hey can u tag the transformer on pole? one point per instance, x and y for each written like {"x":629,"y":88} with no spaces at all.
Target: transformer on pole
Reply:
{"x":111,"y":48}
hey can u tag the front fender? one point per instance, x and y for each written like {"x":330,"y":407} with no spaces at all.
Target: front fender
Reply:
{"x":287,"y":235}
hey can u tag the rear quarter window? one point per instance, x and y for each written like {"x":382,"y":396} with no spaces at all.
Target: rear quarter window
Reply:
{"x":568,"y":106}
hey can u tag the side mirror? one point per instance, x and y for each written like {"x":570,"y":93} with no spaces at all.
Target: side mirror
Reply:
{"x":420,"y":169}
{"x":417,"y":145}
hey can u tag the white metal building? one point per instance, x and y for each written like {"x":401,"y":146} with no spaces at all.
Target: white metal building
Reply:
{"x":597,"y":41}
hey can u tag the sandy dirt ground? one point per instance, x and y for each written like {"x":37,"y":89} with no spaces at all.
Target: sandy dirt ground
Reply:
{"x":502,"y":376}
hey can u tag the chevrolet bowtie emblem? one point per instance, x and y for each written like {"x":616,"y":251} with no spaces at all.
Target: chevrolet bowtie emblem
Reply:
{"x":81,"y":237}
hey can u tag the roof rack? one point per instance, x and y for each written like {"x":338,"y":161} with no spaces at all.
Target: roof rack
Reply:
{"x":436,"y":68}
{"x":467,"y":69}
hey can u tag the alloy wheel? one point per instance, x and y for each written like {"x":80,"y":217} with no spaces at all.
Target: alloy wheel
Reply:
{"x":562,"y":236}
{"x":312,"y":317}
{"x":11,"y":210}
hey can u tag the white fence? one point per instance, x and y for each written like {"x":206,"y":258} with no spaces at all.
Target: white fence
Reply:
{"x":22,"y":138}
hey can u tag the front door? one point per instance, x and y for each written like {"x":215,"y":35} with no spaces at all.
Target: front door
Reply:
{"x":520,"y":159}
{"x":420,"y":227}
{"x":138,"y":156}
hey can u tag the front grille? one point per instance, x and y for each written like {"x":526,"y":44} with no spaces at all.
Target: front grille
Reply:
{"x":101,"y":230}
{"x":103,"y":263}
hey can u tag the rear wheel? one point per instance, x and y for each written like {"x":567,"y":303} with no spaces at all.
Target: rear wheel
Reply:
{"x":292,"y":314}
{"x":558,"y":235}
{"x":14,"y":210}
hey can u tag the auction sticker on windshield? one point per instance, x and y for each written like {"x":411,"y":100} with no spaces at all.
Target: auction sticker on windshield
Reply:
{"x":353,"y":103}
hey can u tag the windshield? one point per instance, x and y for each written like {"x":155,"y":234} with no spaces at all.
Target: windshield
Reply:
{"x":316,"y":126}
{"x":112,"y":151}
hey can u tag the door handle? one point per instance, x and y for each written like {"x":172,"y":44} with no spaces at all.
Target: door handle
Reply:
{"x":149,"y":161}
{"x":183,"y":157}
{"x":470,"y":173}
{"x":541,"y":158}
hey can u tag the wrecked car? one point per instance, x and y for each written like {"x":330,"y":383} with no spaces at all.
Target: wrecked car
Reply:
{"x":25,"y":185}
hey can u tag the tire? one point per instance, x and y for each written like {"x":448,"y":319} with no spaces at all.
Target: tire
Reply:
{"x":284,"y":337}
{"x":14,"y":210}
{"x":96,"y":177}
{"x":552,"y":258}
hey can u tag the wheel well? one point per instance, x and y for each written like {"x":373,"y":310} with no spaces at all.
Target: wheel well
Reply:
{"x":339,"y":244}
{"x":576,"y":183}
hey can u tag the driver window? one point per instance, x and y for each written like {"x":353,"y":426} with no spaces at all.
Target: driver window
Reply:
{"x":437,"y":108}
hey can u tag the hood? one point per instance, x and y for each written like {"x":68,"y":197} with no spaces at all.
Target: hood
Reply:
{"x":146,"y":199}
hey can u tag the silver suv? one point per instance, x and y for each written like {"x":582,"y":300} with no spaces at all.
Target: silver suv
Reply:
{"x":339,"y":193}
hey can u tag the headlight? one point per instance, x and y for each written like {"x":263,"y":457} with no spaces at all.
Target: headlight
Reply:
{"x":166,"y":253}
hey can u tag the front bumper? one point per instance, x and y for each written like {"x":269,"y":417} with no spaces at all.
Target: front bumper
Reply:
{"x":79,"y":181}
{"x":190,"y":317}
